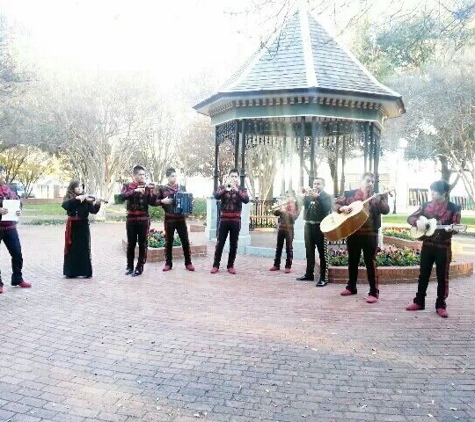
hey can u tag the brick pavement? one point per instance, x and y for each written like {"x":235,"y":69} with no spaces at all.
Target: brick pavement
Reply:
{"x":257,"y":346}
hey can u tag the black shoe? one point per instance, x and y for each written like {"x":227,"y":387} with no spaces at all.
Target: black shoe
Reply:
{"x":321,"y":283}
{"x":136,"y":273}
{"x":306,"y":278}
{"x":129,"y":271}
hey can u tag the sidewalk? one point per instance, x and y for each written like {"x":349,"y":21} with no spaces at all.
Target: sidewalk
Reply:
{"x":256,"y":346}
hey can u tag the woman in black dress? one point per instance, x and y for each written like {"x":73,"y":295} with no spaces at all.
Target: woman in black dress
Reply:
{"x":77,"y":248}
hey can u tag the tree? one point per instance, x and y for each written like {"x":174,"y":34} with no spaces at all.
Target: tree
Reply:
{"x":262,"y":164}
{"x":97,"y":126}
{"x":441,"y":125}
{"x":196,"y":150}
{"x":25,"y":164}
{"x":157,"y":140}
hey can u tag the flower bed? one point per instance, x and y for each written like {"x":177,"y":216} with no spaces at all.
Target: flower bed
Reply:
{"x":395,"y":265}
{"x":156,"y":239}
{"x":156,"y":247}
{"x":399,"y":237}
{"x":388,"y":256}
{"x":399,"y":232}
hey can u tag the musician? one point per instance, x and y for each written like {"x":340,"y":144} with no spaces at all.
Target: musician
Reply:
{"x":287,"y":214}
{"x":317,"y":205}
{"x":77,"y":248}
{"x":232,"y":197}
{"x":437,"y":248}
{"x":138,"y":196}
{"x":9,"y":234}
{"x":173,"y":222}
{"x":366,"y":237}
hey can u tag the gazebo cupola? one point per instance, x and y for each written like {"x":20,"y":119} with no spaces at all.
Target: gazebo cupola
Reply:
{"x":303,"y":90}
{"x":303,"y":84}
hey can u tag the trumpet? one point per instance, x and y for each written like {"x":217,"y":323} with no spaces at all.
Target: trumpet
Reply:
{"x":276,"y":206}
{"x":151,"y":185}
{"x":229,"y":185}
{"x":308,"y":191}
{"x":95,"y":198}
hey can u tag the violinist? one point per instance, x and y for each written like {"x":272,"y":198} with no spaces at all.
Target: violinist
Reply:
{"x":77,"y":247}
{"x":366,"y":237}
{"x":138,"y":196}
{"x":317,"y":205}
{"x":287,"y":212}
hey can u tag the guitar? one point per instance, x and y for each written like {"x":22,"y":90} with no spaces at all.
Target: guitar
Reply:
{"x":338,"y":226}
{"x":430,"y":226}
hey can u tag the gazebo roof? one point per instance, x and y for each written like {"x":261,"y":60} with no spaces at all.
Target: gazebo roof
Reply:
{"x":304,"y":59}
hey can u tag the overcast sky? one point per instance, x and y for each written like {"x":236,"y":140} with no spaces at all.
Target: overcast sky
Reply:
{"x":170,"y":38}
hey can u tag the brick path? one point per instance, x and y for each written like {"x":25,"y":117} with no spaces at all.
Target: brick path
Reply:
{"x":252,"y":347}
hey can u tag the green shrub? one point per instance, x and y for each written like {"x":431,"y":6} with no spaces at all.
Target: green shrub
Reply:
{"x":156,"y":239}
{"x":118,"y":199}
{"x":45,"y":222}
{"x":199,"y":208}
{"x":156,"y":213}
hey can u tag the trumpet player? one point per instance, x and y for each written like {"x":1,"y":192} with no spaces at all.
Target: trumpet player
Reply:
{"x":287,"y":213}
{"x":173,"y":222}
{"x":77,"y":245}
{"x":139,"y":196}
{"x":232,"y":197}
{"x":317,"y":205}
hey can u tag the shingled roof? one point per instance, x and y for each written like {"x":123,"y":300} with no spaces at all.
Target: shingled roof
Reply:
{"x":303,"y":57}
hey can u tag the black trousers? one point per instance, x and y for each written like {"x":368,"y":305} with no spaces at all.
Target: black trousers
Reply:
{"x":182,"y":230}
{"x":441,"y":255}
{"x":137,"y":231}
{"x":314,"y":238}
{"x":288,"y":236}
{"x":12,"y":242}
{"x":369,"y":245}
{"x":233,"y":227}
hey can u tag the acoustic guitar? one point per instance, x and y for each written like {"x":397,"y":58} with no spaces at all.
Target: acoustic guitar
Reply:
{"x":430,"y":226}
{"x":336,"y":226}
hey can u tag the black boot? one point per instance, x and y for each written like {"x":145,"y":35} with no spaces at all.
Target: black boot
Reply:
{"x":137,"y":272}
{"x":321,"y":283}
{"x":129,"y":271}
{"x":306,"y":278}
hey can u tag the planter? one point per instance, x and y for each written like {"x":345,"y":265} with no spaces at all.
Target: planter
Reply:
{"x":158,"y":254}
{"x":415,"y":244}
{"x":396,"y":275}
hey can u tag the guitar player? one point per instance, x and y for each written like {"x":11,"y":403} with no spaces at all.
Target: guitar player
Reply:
{"x":366,"y":237}
{"x":437,"y":248}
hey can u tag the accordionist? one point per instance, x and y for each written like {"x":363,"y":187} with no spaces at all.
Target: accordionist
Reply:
{"x":173,"y":221}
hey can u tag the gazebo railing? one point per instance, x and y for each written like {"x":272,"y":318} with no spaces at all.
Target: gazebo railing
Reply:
{"x":262,"y":217}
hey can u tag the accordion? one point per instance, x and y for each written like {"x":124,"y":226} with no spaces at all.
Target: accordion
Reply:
{"x":183,"y":203}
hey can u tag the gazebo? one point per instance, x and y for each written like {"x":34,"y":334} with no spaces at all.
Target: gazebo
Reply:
{"x":303,"y":89}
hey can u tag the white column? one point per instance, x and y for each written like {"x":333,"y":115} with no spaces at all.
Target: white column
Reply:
{"x":244,"y":234}
{"x":211,"y":218}
{"x":299,"y":241}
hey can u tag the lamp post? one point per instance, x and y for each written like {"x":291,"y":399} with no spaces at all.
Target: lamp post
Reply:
{"x":402,"y":145}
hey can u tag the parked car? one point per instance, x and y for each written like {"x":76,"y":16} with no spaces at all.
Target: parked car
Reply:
{"x":18,"y":188}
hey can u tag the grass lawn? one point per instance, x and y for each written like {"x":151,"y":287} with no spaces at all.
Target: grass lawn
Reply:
{"x":34,"y":210}
{"x":48,"y":210}
{"x":402,"y":219}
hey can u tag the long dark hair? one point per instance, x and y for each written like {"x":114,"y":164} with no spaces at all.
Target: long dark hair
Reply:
{"x":70,"y":194}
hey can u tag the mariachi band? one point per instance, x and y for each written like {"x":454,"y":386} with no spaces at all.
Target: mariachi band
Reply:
{"x":354,"y":216}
